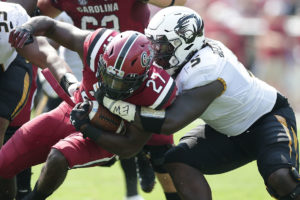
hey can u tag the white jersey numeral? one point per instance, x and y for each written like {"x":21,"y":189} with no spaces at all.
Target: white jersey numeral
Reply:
{"x":104,"y":22}
{"x":153,"y":83}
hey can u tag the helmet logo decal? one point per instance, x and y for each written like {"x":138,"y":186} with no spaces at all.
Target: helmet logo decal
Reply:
{"x":145,"y":59}
{"x":189,"y":27}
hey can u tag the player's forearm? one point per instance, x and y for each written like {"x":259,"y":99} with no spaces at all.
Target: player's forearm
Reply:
{"x":40,"y":26}
{"x":171,"y":121}
{"x":125,"y":145}
{"x":65,"y":34}
{"x":185,"y":109}
{"x":43,"y":55}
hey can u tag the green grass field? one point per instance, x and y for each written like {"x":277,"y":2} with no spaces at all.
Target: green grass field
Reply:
{"x":101,"y":183}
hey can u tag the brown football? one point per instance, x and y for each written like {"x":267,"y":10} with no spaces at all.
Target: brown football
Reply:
{"x":102,"y":118}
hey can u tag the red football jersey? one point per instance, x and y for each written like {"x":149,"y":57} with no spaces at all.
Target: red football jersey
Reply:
{"x":119,"y":15}
{"x":94,"y":45}
{"x":157,"y":91}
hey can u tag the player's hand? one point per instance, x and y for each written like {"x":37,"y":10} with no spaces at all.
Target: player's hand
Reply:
{"x":79,"y":115}
{"x":21,"y":36}
{"x":124,"y":109}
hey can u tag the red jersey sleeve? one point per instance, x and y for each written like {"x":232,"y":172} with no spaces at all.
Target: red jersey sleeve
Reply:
{"x":158,"y":91}
{"x":95,"y":44}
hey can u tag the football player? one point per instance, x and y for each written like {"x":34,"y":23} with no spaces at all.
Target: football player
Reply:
{"x":115,"y":14}
{"x":18,"y":78}
{"x":245,"y":118}
{"x":124,"y":75}
{"x":52,"y":137}
{"x":119,"y":15}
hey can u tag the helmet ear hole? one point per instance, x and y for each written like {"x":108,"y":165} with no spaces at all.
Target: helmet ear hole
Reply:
{"x":132,"y":63}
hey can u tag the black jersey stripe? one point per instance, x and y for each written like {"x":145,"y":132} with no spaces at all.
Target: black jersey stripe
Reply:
{"x":125,"y":50}
{"x":91,"y":47}
{"x":167,"y":97}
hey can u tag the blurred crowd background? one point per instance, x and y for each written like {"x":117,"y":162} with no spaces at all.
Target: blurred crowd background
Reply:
{"x":264,"y":34}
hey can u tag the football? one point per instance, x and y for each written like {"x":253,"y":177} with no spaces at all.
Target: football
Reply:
{"x":102,"y":118}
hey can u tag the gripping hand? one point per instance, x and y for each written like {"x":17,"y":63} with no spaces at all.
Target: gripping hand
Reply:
{"x":80,"y":115}
{"x":21,"y":36}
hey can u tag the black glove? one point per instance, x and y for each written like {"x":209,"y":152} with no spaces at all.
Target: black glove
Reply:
{"x":79,"y":115}
{"x":21,"y":36}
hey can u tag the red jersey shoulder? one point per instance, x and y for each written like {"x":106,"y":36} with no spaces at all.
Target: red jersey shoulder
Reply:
{"x":114,"y":14}
{"x":158,"y":91}
{"x":94,"y":45}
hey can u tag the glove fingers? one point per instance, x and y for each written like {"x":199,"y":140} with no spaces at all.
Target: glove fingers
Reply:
{"x":14,"y":34}
{"x":77,"y":106}
{"x":22,"y":38}
{"x":10,"y":39}
{"x":17,"y":38}
{"x":85,"y":106}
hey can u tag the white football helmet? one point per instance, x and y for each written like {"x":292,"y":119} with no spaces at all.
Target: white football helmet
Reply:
{"x":176,"y":32}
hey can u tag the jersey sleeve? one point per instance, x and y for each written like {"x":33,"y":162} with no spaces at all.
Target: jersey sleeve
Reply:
{"x":159,"y":90}
{"x":200,"y":70}
{"x":165,"y":91}
{"x":95,"y":44}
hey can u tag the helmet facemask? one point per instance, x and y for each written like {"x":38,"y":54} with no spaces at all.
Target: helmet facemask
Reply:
{"x":163,"y":51}
{"x":124,"y":65}
{"x":116,"y":85}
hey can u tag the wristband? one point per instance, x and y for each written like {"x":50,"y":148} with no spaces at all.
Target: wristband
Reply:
{"x":67,"y":80}
{"x":152,"y":120}
{"x":121,"y":108}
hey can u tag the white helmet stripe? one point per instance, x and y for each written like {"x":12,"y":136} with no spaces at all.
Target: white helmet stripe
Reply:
{"x":97,"y":46}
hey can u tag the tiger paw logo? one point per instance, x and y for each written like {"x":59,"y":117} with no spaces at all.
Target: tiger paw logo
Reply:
{"x":189,"y":27}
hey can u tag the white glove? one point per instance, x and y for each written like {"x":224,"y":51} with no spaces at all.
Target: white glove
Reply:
{"x":124,"y":109}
